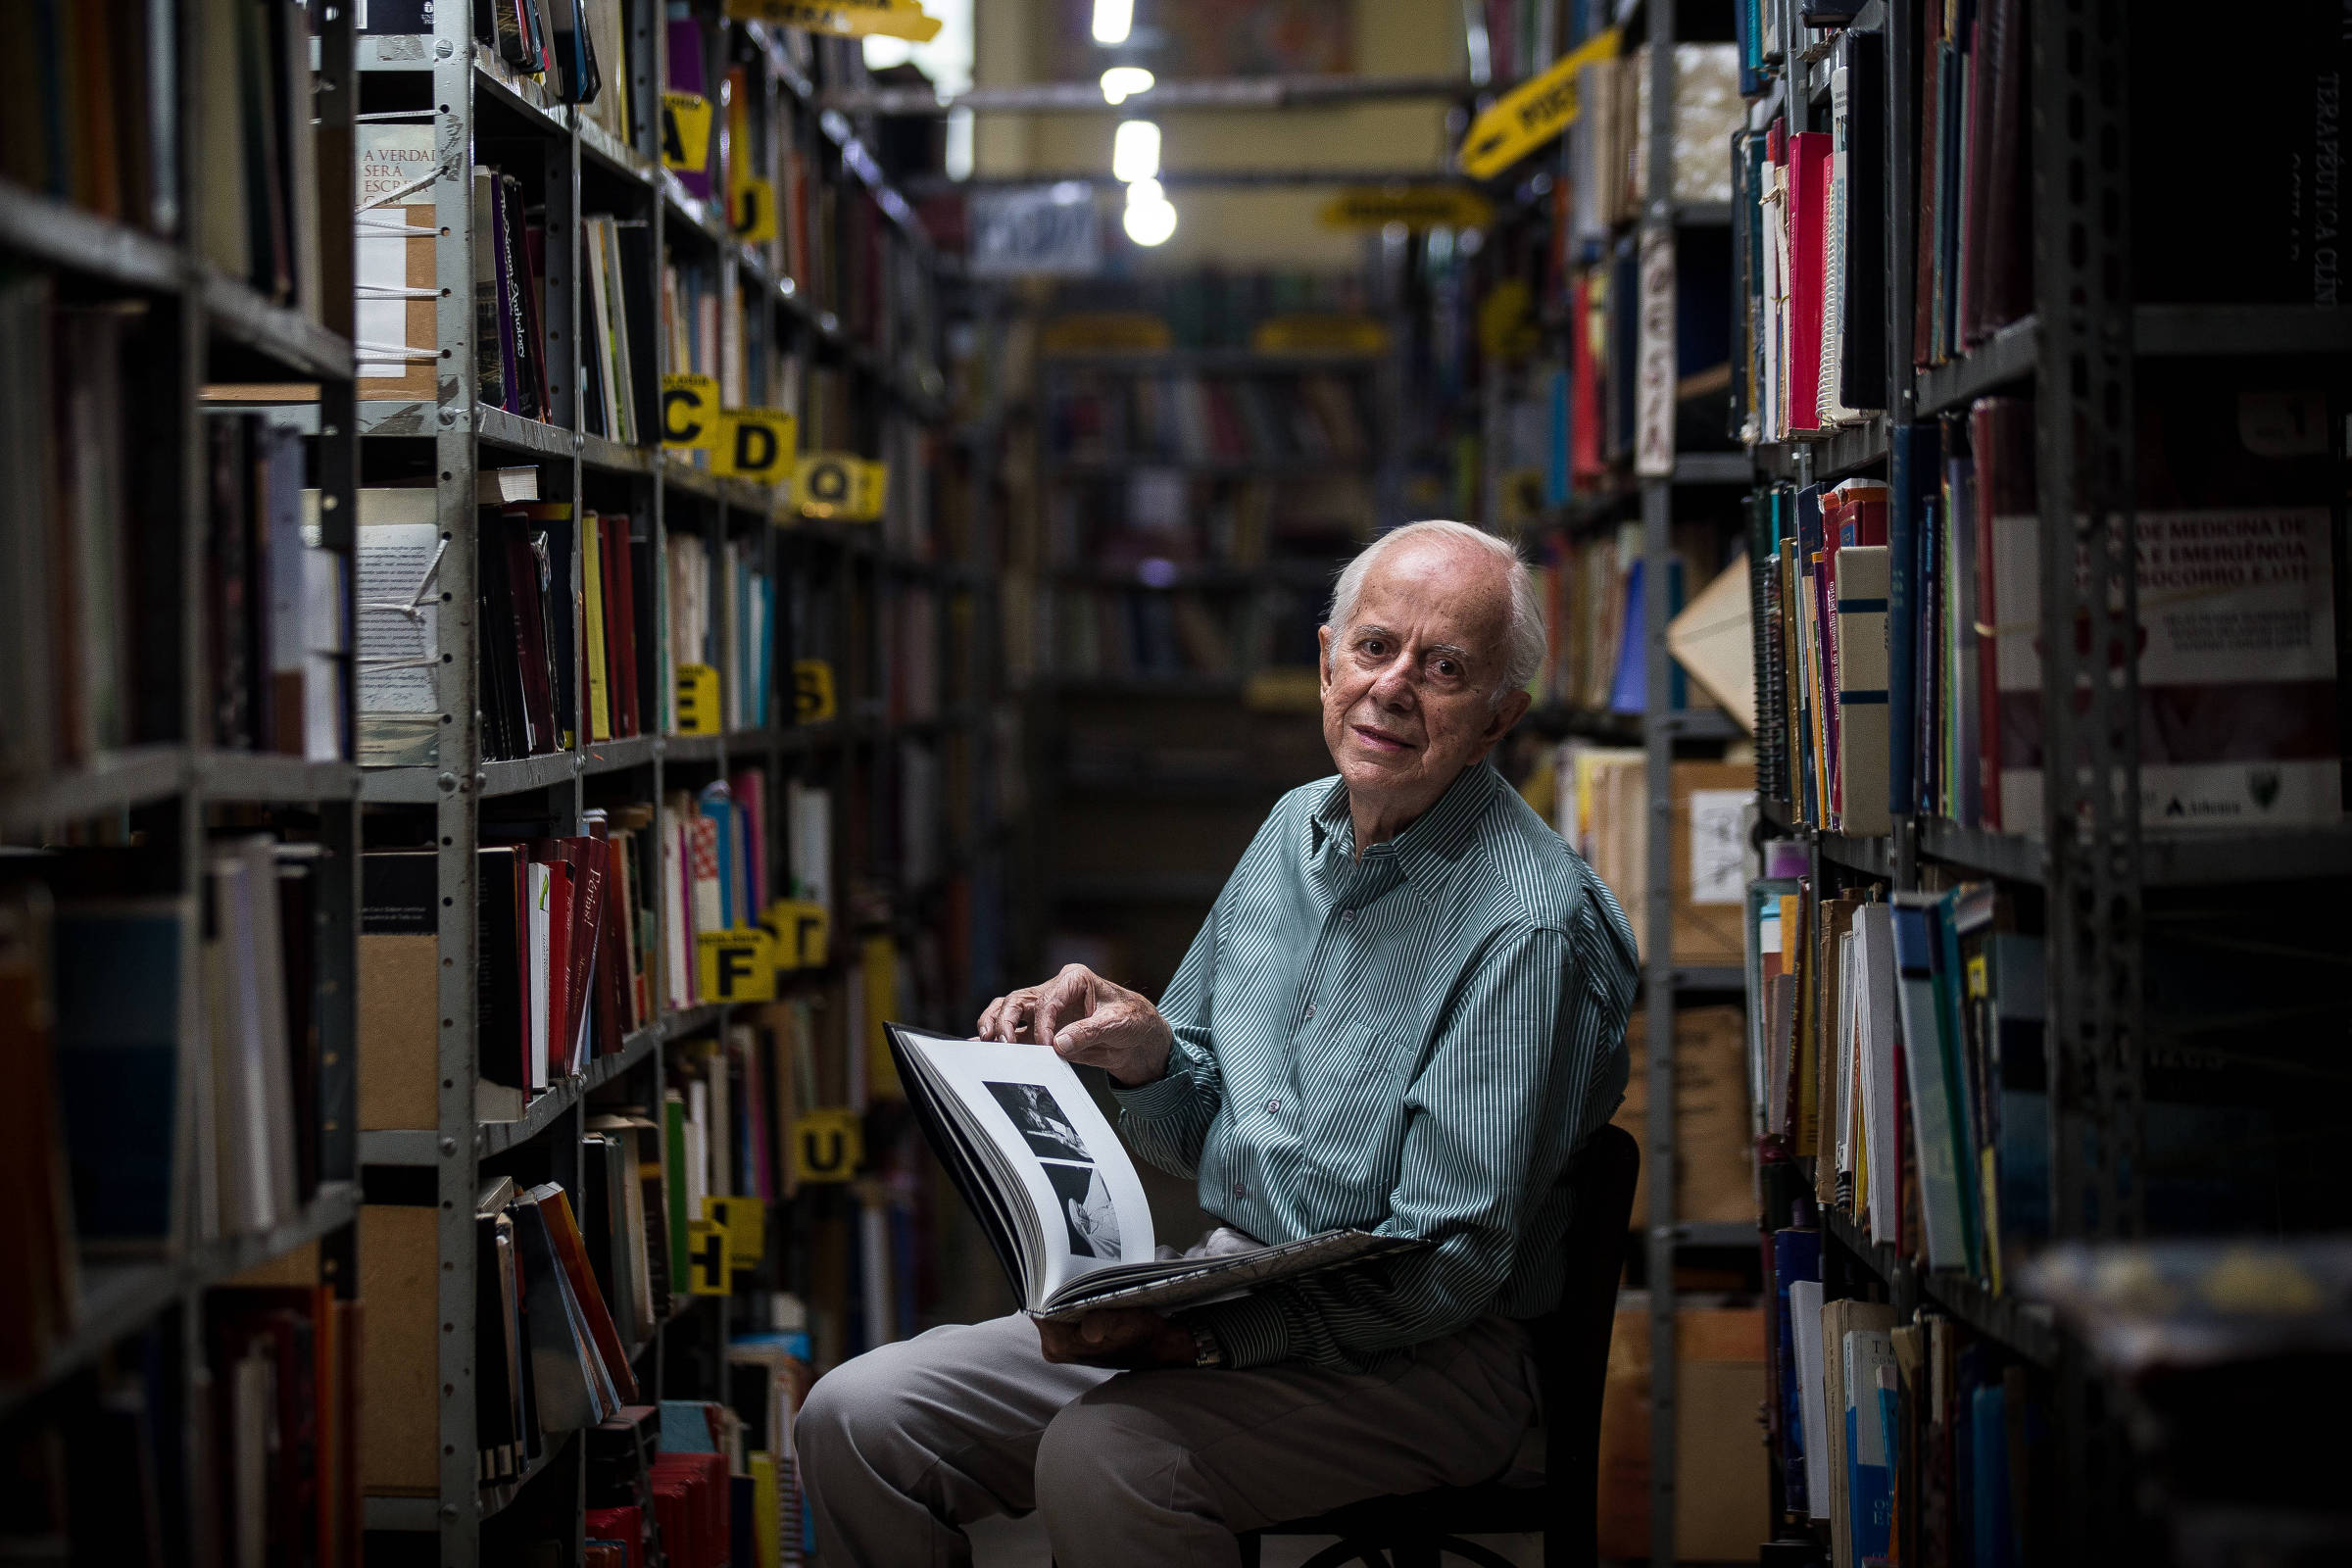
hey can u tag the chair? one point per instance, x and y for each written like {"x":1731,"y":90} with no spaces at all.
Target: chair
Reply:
{"x":1572,"y":1355}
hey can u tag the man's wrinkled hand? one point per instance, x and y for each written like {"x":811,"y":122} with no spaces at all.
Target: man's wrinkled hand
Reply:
{"x":1128,"y":1339}
{"x":1087,"y":1020}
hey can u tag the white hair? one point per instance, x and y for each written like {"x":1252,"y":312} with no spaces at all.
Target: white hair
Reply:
{"x":1523,"y":640}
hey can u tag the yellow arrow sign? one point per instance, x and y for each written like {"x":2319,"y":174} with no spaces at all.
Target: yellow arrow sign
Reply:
{"x":1532,"y":112}
{"x":1413,"y":206}
{"x":848,"y":19}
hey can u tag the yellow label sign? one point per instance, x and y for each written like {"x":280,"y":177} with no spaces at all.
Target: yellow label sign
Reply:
{"x":751,"y":210}
{"x":845,"y":19}
{"x":798,"y":933}
{"x":755,"y":444}
{"x":690,"y":412}
{"x":685,"y":131}
{"x":1416,"y":206}
{"x":736,"y":965}
{"x":698,"y":711}
{"x":1320,"y":334}
{"x":1532,"y":112}
{"x":1107,"y":333}
{"x":812,"y":691}
{"x":878,"y":964}
{"x":839,"y":485}
{"x":745,"y":1220}
{"x":709,"y":1270}
{"x":827,"y":1145}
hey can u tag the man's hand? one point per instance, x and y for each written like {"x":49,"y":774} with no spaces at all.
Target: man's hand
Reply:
{"x":1086,"y":1019}
{"x":1128,"y":1337}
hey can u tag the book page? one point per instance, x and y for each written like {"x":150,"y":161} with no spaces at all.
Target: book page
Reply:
{"x":1076,"y":1174}
{"x":397,"y":636}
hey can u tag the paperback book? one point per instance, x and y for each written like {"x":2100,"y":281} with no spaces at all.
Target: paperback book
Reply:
{"x":1057,"y":1196}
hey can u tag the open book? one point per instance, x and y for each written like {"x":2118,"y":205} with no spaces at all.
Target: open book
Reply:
{"x":1054,"y":1192}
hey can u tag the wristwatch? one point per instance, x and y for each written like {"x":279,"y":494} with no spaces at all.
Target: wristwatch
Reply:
{"x":1206,"y":1352}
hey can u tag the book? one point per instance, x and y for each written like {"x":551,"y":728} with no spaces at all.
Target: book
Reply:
{"x":1056,"y":1195}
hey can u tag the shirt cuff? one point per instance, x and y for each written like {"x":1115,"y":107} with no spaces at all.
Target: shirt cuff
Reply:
{"x":1253,"y":1331}
{"x":1163,"y":1097}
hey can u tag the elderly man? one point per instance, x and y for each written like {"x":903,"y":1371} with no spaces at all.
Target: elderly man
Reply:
{"x":1406,"y":1012}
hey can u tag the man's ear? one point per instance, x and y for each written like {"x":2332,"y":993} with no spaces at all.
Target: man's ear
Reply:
{"x":1507,"y":712}
{"x":1322,"y":658}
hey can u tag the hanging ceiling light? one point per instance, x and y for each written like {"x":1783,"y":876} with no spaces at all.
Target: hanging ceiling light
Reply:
{"x":1151,"y":217}
{"x":1122,"y":82}
{"x":1112,"y":20}
{"x":1134,"y":151}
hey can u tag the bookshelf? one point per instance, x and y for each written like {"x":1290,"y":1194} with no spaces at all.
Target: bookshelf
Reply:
{"x":2077,"y":326}
{"x":1624,"y":504}
{"x":639,"y":277}
{"x":1170,"y":589}
{"x":136,"y":787}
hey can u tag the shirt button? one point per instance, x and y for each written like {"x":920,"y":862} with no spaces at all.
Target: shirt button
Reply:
{"x":1240,"y":1191}
{"x":1311,"y":1010}
{"x":1274,"y":1105}
{"x":1347,"y":917}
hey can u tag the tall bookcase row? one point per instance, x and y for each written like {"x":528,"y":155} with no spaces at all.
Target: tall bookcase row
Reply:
{"x":2044,"y":380}
{"x":176,"y":794}
{"x":211,"y":398}
{"x":1597,"y":454}
{"x":832,"y":320}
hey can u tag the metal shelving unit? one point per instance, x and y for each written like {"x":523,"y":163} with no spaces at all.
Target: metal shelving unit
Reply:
{"x":587,"y":170}
{"x":2088,"y":857}
{"x":178,"y":792}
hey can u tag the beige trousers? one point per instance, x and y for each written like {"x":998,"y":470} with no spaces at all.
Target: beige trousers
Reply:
{"x":903,"y":1446}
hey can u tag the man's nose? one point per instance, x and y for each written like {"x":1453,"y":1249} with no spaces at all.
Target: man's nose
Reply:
{"x":1393,"y":686}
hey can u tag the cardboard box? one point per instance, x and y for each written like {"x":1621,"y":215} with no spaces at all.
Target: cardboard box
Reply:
{"x":1714,"y":1172}
{"x":1707,"y":880}
{"x":400,"y":1436}
{"x":1720,"y":1508}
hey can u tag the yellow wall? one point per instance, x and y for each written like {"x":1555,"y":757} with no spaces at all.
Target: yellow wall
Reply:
{"x":1271,"y":226}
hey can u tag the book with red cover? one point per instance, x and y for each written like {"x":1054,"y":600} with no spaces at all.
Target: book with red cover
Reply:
{"x":1924,"y":194}
{"x":529,"y":633}
{"x":564,"y":1230}
{"x":2000,"y":433}
{"x":587,"y":860}
{"x":625,"y":1524}
{"x":562,"y":1021}
{"x":1809,"y":152}
{"x":620,"y":626}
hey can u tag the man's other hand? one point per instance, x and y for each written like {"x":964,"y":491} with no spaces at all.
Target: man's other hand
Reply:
{"x":1086,"y":1019}
{"x":1127,"y":1338}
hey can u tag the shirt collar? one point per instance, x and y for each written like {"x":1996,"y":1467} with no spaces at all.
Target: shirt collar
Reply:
{"x":1426,"y":851}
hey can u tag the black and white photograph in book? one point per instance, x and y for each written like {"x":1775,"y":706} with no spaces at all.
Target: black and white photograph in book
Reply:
{"x":1085,"y":1205}
{"x":1044,"y":1123}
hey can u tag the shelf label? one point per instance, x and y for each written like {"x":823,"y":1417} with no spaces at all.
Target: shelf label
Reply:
{"x":751,"y":210}
{"x":841,"y":484}
{"x":685,"y":131}
{"x":1319,"y":333}
{"x":798,"y":933}
{"x":737,"y":965}
{"x":710,"y":1270}
{"x":755,"y":444}
{"x":689,"y":414}
{"x":1532,"y":112}
{"x":1416,"y":206}
{"x":812,"y":701}
{"x":698,"y":711}
{"x":745,"y":1220}
{"x":844,"y":19}
{"x":827,"y":1144}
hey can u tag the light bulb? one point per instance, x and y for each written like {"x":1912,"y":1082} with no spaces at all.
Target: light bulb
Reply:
{"x":1112,"y":19}
{"x":1149,"y":219}
{"x":1134,"y":151}
{"x":1122,"y":82}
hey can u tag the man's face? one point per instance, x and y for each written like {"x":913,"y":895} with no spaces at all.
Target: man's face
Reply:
{"x":1409,"y":685}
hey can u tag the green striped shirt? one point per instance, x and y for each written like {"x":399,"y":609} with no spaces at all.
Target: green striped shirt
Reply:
{"x":1412,"y":1044}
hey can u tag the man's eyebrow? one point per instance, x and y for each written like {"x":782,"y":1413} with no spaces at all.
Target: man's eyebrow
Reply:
{"x":1451,"y":651}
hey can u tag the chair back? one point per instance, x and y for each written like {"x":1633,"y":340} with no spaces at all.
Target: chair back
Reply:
{"x":1571,"y":1342}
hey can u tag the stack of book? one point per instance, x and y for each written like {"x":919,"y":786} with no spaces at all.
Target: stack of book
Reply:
{"x":1899,"y":638}
{"x":1171,"y":417}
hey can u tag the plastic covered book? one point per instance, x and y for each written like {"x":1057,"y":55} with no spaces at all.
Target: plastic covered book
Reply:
{"x":1058,"y":1197}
